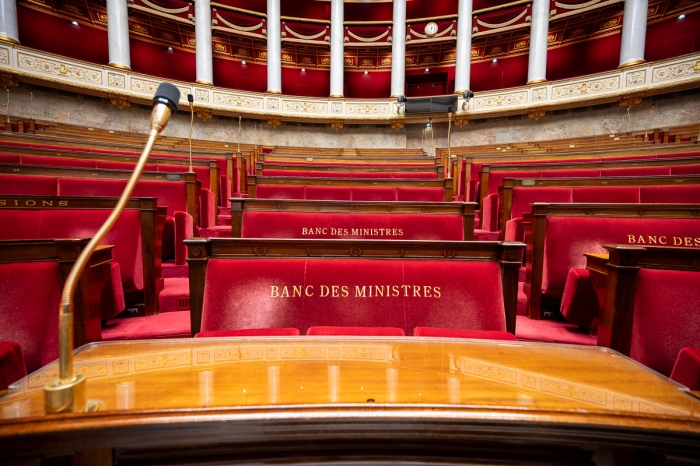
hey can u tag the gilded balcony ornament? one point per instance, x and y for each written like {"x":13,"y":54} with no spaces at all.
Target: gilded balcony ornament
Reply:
{"x":461,"y":120}
{"x":397,"y":124}
{"x":119,"y":101}
{"x":274,"y":121}
{"x":8,"y":80}
{"x":337,"y":124}
{"x":537,"y":113}
{"x":631,"y":100}
{"x":204,"y":115}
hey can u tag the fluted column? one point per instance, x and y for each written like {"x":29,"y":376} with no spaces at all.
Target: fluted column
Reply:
{"x":463,"y":61}
{"x":9,"y":31}
{"x":337,"y":48}
{"x":398,"y":49}
{"x":274,"y":47}
{"x":202,"y":31}
{"x":634,"y":31}
{"x":118,"y":34}
{"x":539,"y":32}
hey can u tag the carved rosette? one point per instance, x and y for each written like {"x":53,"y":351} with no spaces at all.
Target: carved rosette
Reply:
{"x":461,"y":120}
{"x":628,"y":101}
{"x":397,"y":124}
{"x":274,"y":121}
{"x":337,"y":124}
{"x":8,"y":80}
{"x":119,"y":101}
{"x":204,"y":115}
{"x":537,"y":113}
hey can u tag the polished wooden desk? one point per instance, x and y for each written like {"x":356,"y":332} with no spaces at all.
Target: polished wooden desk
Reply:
{"x":304,"y":398}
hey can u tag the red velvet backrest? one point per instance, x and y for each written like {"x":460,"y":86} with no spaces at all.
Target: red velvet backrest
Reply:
{"x":325,"y":174}
{"x":241,"y":293}
{"x":685,"y":170}
{"x":636,"y":171}
{"x":617,"y":194}
{"x":268,"y":172}
{"x":567,"y":173}
{"x":28,"y":185}
{"x":333,"y":193}
{"x":371,"y":175}
{"x":351,"y":226}
{"x":489,"y":213}
{"x":666,"y":317}
{"x":29,"y":314}
{"x":201,"y":172}
{"x":279,"y":192}
{"x":670,"y":194}
{"x":56,"y":161}
{"x":9,"y":158}
{"x":125,"y":236}
{"x":496,"y":178}
{"x":523,"y":197}
{"x":20,"y":224}
{"x":207,"y":208}
{"x":568,"y":238}
{"x":373,"y":194}
{"x":421,"y":175}
{"x":122,"y":165}
{"x":420,"y":194}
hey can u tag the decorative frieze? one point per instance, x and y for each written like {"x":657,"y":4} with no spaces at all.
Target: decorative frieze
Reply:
{"x":48,"y":66}
{"x":593,"y":86}
{"x":677,"y":70}
{"x":499,"y":100}
{"x":305,"y":107}
{"x":234,"y":100}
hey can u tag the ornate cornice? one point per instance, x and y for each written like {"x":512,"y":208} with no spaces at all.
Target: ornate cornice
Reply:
{"x":61,"y":72}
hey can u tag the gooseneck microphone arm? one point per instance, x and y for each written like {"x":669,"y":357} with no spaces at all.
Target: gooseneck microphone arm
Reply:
{"x":67,"y":394}
{"x":190,"y":99}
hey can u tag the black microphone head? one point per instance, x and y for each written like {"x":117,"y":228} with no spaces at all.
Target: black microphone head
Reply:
{"x":167,"y":94}
{"x":449,"y":109}
{"x":190,"y":98}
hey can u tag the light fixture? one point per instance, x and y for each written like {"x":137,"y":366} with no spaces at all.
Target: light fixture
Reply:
{"x":170,"y":49}
{"x":495,"y":60}
{"x":682,"y":16}
{"x":243,"y":62}
{"x":467,"y":95}
{"x":303,"y":69}
{"x":427,"y":69}
{"x":366,"y":72}
{"x":400,"y":102}
{"x":74,"y":23}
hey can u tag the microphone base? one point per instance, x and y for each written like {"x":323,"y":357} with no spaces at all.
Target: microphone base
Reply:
{"x":70,"y":397}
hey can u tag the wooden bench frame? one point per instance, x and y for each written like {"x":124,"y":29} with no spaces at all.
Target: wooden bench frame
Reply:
{"x":190,"y":179}
{"x":618,"y":272}
{"x":200,"y":250}
{"x":535,"y":223}
{"x":445,"y":183}
{"x":152,"y":221}
{"x":97,"y":273}
{"x":466,"y":209}
{"x":505,"y":191}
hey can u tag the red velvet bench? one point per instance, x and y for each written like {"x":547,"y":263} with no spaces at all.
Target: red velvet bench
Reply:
{"x":238,"y":283}
{"x":135,"y":236}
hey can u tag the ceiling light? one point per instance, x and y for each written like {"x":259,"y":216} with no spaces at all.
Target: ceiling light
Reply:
{"x":427,"y":69}
{"x":681,"y":16}
{"x":366,"y":72}
{"x":243,"y":62}
{"x":495,"y":60}
{"x":75,"y":23}
{"x":170,"y":49}
{"x":303,"y":69}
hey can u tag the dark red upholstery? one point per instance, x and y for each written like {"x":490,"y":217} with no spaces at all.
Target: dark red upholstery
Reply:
{"x":618,"y":194}
{"x":238,"y":294}
{"x":496,"y":178}
{"x":489,"y":209}
{"x":250,"y":332}
{"x":686,"y":371}
{"x":207,"y":209}
{"x":328,"y":193}
{"x":415,"y":175}
{"x":461,"y":333}
{"x":361,"y":226}
{"x":56,"y":161}
{"x":117,"y":294}
{"x":11,"y":364}
{"x":20,"y":224}
{"x":123,"y":165}
{"x":420,"y":194}
{"x":165,"y":325}
{"x":313,"y":174}
{"x":184,"y":228}
{"x":514,"y":229}
{"x":666,"y":317}
{"x":356,"y":331}
{"x":670,"y":194}
{"x":280,"y":192}
{"x":224,"y":190}
{"x":636,"y":171}
{"x":28,"y":185}
{"x":168,"y":244}
{"x":685,"y":170}
{"x":552,"y":331}
{"x":523,"y":197}
{"x":268,"y":172}
{"x":9,"y":158}
{"x":374,"y":194}
{"x":29,"y":314}
{"x":579,"y":303}
{"x":569,"y":173}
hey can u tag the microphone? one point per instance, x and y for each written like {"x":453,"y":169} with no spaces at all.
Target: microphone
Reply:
{"x":67,"y":394}
{"x":190,"y":99}
{"x":449,"y":130}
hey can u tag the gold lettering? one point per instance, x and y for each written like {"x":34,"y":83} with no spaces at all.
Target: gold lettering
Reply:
{"x":696,"y":241}
{"x":47,"y":203}
{"x":436,"y":290}
{"x":426,"y":291}
{"x":416,"y":291}
{"x":662,"y":240}
{"x":16,"y":202}
{"x":62,"y":203}
{"x":405,"y":290}
{"x":359,"y":292}
{"x":394,"y":291}
{"x":344,"y":291}
{"x":274,"y":291}
{"x":355,"y":232}
{"x":378,"y":291}
{"x":304,"y":231}
{"x":652,"y":240}
{"x":400,"y":232}
{"x":677,"y":241}
{"x":324,"y":291}
{"x":30,"y":202}
{"x":630,"y":239}
{"x":285,"y":292}
{"x":688,"y":241}
{"x":297,"y":291}
{"x":335,"y":290}
{"x":641,"y":240}
{"x":306,"y":291}
{"x":3,"y":202}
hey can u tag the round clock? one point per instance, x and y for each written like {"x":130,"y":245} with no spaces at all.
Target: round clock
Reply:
{"x":431,"y":29}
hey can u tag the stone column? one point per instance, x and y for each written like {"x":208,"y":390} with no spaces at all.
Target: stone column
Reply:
{"x":202,"y":31}
{"x":539,"y":32}
{"x":337,"y":48}
{"x":9,"y":31}
{"x":274,"y":48}
{"x":118,"y":34}
{"x":398,"y":49}
{"x":463,"y":60}
{"x":634,"y":31}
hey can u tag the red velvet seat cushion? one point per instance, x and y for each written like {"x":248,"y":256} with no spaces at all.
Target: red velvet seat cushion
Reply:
{"x":352,"y":226}
{"x":462,"y":333}
{"x":166,"y":325}
{"x":686,"y":371}
{"x":29,"y":314}
{"x":250,"y":332}
{"x":28,"y":185}
{"x":415,"y":175}
{"x":240,"y":293}
{"x":11,"y":364}
{"x":356,"y":331}
{"x":280,"y":192}
{"x":666,"y":317}
{"x":294,"y":173}
{"x":552,"y":331}
{"x":580,"y":301}
{"x":420,"y":194}
{"x":373,"y":194}
{"x":175,"y":295}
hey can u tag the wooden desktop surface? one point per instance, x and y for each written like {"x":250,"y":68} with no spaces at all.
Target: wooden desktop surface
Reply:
{"x":156,"y":392}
